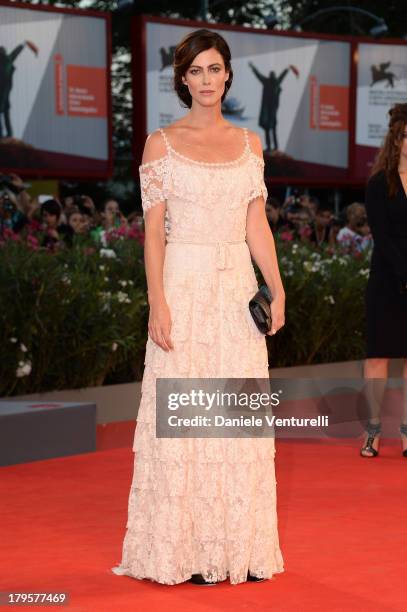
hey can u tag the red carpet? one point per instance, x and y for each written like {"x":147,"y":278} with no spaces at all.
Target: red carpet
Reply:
{"x":342,"y":524}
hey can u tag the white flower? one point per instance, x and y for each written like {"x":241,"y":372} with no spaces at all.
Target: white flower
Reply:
{"x":107,"y":253}
{"x":114,"y":346}
{"x":24,"y":369}
{"x":330,"y":299}
{"x":23,"y":348}
{"x":123,"y":297}
{"x":123,"y":283}
{"x":102,"y":268}
{"x":106,"y":278}
{"x":364,"y":272}
{"x":311,"y":266}
{"x":131,"y":283}
{"x":65,"y":279}
{"x":13,"y":340}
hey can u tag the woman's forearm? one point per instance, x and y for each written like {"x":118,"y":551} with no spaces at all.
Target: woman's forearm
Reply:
{"x":154,"y":253}
{"x":263,"y":250}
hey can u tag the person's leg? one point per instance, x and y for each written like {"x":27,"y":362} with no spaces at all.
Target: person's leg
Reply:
{"x":267,"y":133}
{"x":375,"y":374}
{"x":275,"y":136}
{"x":7,"y":121}
{"x":403,"y":426}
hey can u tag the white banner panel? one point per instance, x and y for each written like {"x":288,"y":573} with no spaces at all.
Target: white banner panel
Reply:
{"x":381,"y":82}
{"x":53,"y":91}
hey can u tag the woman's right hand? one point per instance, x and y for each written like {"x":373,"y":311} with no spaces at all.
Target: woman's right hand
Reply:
{"x":159,"y":325}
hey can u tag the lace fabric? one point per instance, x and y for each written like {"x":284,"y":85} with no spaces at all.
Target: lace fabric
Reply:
{"x":204,"y":506}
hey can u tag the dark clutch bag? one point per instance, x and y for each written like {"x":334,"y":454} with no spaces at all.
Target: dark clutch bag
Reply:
{"x":259,"y":307}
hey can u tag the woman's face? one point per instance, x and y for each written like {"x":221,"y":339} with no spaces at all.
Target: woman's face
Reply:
{"x":76,"y":222}
{"x":111,"y":209}
{"x":206,"y":74}
{"x":51,"y":221}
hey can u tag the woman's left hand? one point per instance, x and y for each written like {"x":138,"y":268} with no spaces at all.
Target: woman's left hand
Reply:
{"x":277,"y":315}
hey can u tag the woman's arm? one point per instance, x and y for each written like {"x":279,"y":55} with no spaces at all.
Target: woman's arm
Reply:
{"x":376,"y":204}
{"x":262,"y":248}
{"x":159,"y":325}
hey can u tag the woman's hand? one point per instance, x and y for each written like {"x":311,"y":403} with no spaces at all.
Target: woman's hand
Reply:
{"x":159,"y":325}
{"x":277,"y":315}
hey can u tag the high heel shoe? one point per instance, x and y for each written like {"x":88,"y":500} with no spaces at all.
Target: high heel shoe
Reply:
{"x":251,"y":578}
{"x":373,"y":432}
{"x":403,"y":431}
{"x":199,"y":579}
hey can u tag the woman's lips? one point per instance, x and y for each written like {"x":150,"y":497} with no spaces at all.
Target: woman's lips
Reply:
{"x":207,"y":93}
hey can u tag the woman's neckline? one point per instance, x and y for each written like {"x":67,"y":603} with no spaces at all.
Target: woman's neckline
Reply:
{"x":205,"y":163}
{"x":403,"y":189}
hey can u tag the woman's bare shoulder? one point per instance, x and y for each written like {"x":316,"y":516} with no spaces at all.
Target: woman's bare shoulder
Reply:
{"x":255,"y":142}
{"x":154,"y":147}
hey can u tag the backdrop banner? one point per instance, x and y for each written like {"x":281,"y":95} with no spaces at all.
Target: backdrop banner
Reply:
{"x":293,"y":91}
{"x":53,"y":92}
{"x":381,"y":82}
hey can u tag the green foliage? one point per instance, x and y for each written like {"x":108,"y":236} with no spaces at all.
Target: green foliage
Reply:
{"x":72,"y":317}
{"x":78,"y":317}
{"x":325,"y":310}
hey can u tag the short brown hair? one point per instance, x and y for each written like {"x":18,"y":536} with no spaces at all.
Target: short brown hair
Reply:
{"x":188,"y":48}
{"x":388,"y":157}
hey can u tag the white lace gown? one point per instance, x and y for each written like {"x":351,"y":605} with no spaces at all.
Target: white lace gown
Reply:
{"x":205,"y":505}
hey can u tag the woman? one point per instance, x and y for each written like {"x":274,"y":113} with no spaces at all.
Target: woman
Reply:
{"x":386,"y":296}
{"x":203,"y":509}
{"x":111,"y":218}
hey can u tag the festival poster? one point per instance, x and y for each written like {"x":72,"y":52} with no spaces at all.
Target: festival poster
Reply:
{"x":381,"y":83}
{"x":53,"y":92}
{"x":293,"y":91}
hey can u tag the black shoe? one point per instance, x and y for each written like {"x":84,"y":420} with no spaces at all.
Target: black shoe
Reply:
{"x":251,"y":578}
{"x":373,"y":431}
{"x":403,"y":430}
{"x":199,"y":579}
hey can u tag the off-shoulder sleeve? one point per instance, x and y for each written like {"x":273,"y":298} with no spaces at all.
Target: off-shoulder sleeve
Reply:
{"x":154,"y":182}
{"x":257,"y":184}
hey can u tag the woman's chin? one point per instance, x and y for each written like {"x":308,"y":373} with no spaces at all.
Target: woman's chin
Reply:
{"x":207,"y":100}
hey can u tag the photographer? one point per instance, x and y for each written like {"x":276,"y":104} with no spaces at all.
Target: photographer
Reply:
{"x":12,"y":215}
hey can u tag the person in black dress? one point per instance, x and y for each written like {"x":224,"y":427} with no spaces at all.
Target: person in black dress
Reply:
{"x":386,"y":293}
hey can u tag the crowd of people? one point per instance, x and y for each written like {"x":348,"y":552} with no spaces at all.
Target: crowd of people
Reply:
{"x":305,"y":218}
{"x":58,"y":221}
{"x":300,"y":217}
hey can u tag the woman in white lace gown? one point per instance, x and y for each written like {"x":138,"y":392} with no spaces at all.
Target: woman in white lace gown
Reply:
{"x":203,"y":506}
